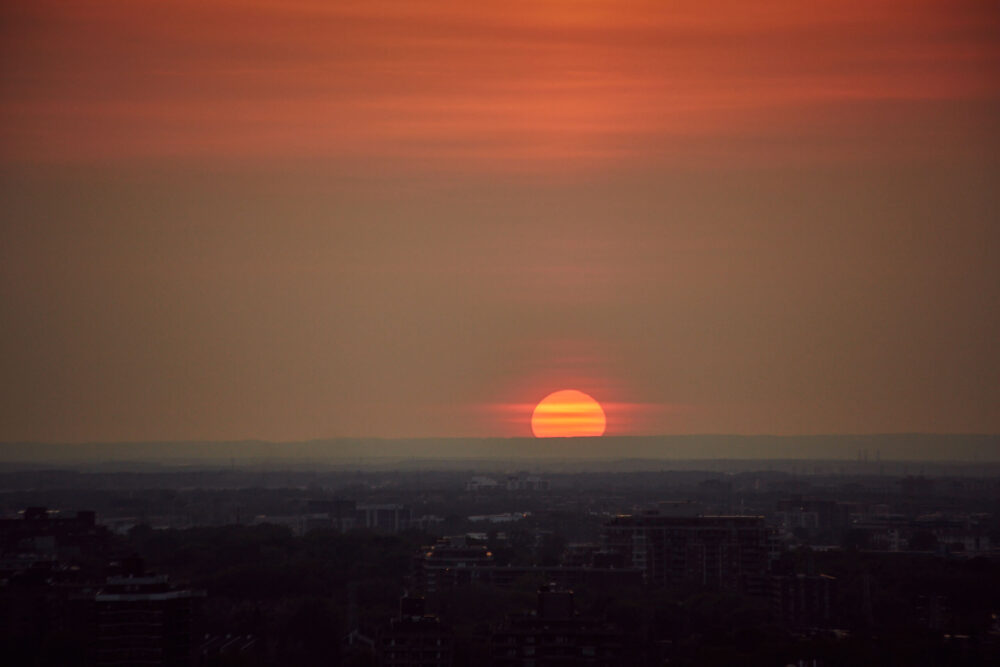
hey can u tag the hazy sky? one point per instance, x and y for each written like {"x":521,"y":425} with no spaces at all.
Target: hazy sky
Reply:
{"x":289,"y":219}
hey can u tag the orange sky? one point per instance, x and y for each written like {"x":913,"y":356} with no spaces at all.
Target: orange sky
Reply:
{"x":296,"y":219}
{"x":490,"y":84}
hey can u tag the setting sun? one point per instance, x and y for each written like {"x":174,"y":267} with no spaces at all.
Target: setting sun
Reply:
{"x":568,"y":413}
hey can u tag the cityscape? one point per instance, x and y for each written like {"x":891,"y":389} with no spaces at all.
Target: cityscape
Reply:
{"x":837,"y":563}
{"x":506,"y":333}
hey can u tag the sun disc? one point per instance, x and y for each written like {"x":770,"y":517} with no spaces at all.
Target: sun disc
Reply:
{"x":566,"y":414}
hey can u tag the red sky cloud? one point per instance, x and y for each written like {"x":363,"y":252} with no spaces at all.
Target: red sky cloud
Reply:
{"x":487,"y":84}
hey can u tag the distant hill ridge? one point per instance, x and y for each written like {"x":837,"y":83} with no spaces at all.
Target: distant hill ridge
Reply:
{"x":885,"y":447}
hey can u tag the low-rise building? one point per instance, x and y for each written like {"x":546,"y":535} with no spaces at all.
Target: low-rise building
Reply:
{"x":43,"y":531}
{"x":479,"y":483}
{"x":525,"y":482}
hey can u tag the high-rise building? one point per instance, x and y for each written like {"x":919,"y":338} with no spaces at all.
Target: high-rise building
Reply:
{"x":143,"y":620}
{"x":451,"y":562}
{"x":414,"y":638}
{"x":556,"y":635}
{"x":387,"y":518}
{"x":720,"y":552}
{"x":345,"y":515}
{"x":454,"y":562}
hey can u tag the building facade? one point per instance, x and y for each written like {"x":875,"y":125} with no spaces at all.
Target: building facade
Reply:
{"x":454,"y":562}
{"x":718,"y":552}
{"x":802,"y":600}
{"x":556,"y":635}
{"x":345,"y":515}
{"x":414,"y":638}
{"x":143,"y":620}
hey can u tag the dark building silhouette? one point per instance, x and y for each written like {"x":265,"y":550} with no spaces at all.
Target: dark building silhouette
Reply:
{"x":525,"y":482}
{"x":720,"y":552}
{"x":453,"y":562}
{"x":141,"y":619}
{"x":592,"y":578}
{"x":414,"y":638}
{"x":344,"y":515}
{"x":803,"y":600}
{"x":555,"y":635}
{"x":228,"y":649}
{"x":812,"y":513}
{"x":44,"y":531}
{"x":579,"y":554}
{"x":916,"y":487}
{"x":932,"y":611}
